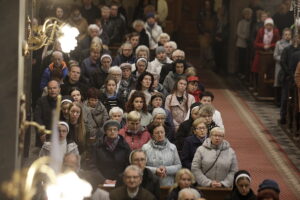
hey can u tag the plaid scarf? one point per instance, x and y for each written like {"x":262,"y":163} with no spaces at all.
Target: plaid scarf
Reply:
{"x":111,"y":143}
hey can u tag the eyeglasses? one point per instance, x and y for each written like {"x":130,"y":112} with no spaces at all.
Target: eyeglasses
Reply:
{"x":220,"y":136}
{"x":132,"y":177}
{"x":112,"y":129}
{"x":139,"y":159}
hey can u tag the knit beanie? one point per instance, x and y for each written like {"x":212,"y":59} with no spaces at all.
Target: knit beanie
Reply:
{"x":269,"y":184}
{"x":110,"y":123}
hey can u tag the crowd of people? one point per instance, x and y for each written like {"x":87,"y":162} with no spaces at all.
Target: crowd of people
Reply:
{"x":259,"y":34}
{"x":140,"y":119}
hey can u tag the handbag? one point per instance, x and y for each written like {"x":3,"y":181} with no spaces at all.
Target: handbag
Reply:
{"x":213,"y":163}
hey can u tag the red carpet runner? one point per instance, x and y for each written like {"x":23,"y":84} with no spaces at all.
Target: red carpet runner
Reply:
{"x":256,"y":151}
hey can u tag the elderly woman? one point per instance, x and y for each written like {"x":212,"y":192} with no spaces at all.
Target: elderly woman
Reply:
{"x":117,"y":113}
{"x":141,"y":65}
{"x":99,"y":76}
{"x":163,"y":159}
{"x":135,"y":135}
{"x":242,"y":187}
{"x":186,"y":128}
{"x":159,"y":117}
{"x":170,"y":47}
{"x":110,"y":154}
{"x":191,"y":143}
{"x":163,"y":38}
{"x":183,"y":179}
{"x":138,"y":26}
{"x":125,"y":55}
{"x":207,"y":112}
{"x":141,"y":52}
{"x":160,"y":60}
{"x":215,"y":162}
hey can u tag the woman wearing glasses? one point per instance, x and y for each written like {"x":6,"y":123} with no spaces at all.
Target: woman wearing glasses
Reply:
{"x":191,"y":143}
{"x":215,"y":162}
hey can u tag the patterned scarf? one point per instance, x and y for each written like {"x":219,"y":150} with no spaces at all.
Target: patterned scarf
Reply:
{"x":111,"y":143}
{"x":159,"y":145}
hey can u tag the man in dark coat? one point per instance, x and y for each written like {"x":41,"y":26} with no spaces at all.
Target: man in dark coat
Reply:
{"x":288,"y":62}
{"x":73,"y":80}
{"x":44,"y":107}
{"x":89,"y":11}
{"x":131,"y":190}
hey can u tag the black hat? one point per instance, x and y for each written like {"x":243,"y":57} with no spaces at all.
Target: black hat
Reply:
{"x":110,"y":123}
{"x":269,"y":184}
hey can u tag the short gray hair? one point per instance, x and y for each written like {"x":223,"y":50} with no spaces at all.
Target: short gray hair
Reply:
{"x":115,"y":110}
{"x":178,"y":52}
{"x":137,"y":22}
{"x":173,"y":44}
{"x":142,"y":48}
{"x":93,"y":27}
{"x":57,"y":53}
{"x":190,"y":191}
{"x":115,"y":69}
{"x":133,"y":168}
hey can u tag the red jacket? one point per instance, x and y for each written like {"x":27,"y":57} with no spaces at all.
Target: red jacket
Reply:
{"x":135,"y":141}
{"x":259,"y":46}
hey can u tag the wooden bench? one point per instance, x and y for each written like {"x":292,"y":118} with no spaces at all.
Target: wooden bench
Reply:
{"x":208,"y":192}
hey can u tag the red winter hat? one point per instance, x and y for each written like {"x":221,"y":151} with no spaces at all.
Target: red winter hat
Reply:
{"x":192,"y":78}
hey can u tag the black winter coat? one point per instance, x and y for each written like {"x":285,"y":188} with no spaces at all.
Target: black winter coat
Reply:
{"x":110,"y":164}
{"x":190,"y":145}
{"x":43,"y":111}
{"x":184,"y":130}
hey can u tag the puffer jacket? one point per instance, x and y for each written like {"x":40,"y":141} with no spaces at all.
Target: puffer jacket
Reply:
{"x":163,"y":155}
{"x":224,"y":168}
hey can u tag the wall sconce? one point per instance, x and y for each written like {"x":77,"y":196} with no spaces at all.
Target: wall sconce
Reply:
{"x":52,"y":29}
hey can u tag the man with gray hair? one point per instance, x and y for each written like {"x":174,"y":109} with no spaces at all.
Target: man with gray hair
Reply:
{"x":166,"y":68}
{"x":132,"y":178}
{"x":189,"y":194}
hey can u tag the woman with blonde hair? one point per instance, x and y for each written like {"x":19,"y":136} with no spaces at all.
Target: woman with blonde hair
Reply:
{"x":215,"y":162}
{"x":183,"y":179}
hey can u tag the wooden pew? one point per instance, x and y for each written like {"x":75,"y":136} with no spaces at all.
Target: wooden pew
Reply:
{"x":266,"y":76}
{"x":208,"y":192}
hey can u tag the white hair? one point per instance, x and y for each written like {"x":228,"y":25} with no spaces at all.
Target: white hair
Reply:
{"x":93,"y":27}
{"x":57,"y":53}
{"x":166,"y":35}
{"x":192,"y":191}
{"x":115,"y":110}
{"x":137,"y":22}
{"x":142,"y":48}
{"x":217,"y":129}
{"x":173,"y":44}
{"x":115,"y":69}
{"x":134,"y":168}
{"x":178,"y":52}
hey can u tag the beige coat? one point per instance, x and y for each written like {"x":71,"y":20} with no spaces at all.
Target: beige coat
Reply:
{"x":179,"y":111}
{"x":297,"y":81}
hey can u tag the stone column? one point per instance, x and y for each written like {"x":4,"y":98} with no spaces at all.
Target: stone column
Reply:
{"x":12,"y":18}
